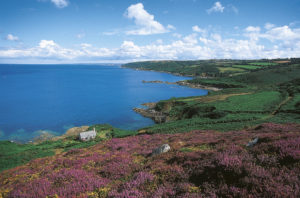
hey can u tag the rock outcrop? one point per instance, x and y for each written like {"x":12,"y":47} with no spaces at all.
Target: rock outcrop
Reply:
{"x":162,"y":149}
{"x":156,"y":116}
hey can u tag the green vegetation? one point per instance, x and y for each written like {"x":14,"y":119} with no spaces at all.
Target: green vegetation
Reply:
{"x":14,"y":154}
{"x":271,"y":94}
{"x":263,"y":63}
{"x":248,"y":67}
{"x":230,"y":69}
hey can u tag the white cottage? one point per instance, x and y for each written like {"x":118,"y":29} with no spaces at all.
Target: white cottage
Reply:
{"x":87,"y":135}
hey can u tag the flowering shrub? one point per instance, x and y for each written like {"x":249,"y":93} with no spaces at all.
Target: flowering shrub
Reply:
{"x":214,"y":165}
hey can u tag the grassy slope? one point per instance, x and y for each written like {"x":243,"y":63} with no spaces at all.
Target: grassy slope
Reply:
{"x":270,"y":91}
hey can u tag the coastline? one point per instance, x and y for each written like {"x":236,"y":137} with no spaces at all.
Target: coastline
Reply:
{"x":185,"y":83}
{"x":159,"y":116}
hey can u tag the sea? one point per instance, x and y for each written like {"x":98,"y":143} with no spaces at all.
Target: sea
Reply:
{"x":35,"y":99}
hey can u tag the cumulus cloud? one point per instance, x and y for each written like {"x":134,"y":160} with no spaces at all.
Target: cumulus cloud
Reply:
{"x":217,"y":7}
{"x":11,"y":37}
{"x":145,"y":21}
{"x":60,"y":3}
{"x":196,"y":28}
{"x":269,"y":26}
{"x":282,"y":33}
{"x":284,"y":42}
{"x":177,"y":35}
{"x":252,"y":29}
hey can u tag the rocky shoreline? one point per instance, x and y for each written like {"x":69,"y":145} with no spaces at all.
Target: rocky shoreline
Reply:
{"x":184,"y":83}
{"x":150,"y":112}
{"x":161,"y":117}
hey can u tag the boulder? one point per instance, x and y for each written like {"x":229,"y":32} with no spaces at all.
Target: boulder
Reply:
{"x":162,"y":149}
{"x":252,"y":142}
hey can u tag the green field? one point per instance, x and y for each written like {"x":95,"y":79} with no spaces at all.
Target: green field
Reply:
{"x":230,"y":69}
{"x":249,"y":67}
{"x":263,"y":64}
{"x":261,"y":101}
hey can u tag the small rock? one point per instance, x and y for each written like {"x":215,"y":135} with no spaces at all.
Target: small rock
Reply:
{"x":252,"y":142}
{"x":162,"y":149}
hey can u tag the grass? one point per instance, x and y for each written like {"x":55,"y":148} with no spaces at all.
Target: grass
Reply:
{"x":294,"y":104}
{"x":261,"y":101}
{"x":230,"y":69}
{"x":248,"y":67}
{"x":213,"y":98}
{"x":263,"y":64}
{"x":13,"y":154}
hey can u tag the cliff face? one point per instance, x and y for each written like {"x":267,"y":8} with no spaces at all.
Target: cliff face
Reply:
{"x":199,"y":164}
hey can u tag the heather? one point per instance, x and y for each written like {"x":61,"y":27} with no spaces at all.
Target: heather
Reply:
{"x":14,"y":154}
{"x":199,"y":164}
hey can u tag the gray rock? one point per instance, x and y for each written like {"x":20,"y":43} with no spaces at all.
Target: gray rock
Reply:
{"x":252,"y":142}
{"x":162,"y":149}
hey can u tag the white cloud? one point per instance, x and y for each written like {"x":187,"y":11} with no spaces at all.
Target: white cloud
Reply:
{"x":170,"y":27}
{"x":196,"y":28}
{"x":252,"y":32}
{"x":252,"y":29}
{"x":11,"y":37}
{"x":269,"y":26}
{"x":177,"y":35}
{"x":191,"y":39}
{"x":284,"y":33}
{"x":159,"y":41}
{"x":217,"y":7}
{"x":60,"y":3}
{"x":145,"y":21}
{"x":129,"y":49}
{"x":285,"y":42}
{"x":85,"y":45}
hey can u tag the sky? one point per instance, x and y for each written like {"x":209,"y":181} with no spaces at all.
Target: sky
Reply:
{"x":119,"y":31}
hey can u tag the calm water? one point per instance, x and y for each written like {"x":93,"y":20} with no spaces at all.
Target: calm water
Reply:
{"x":53,"y":98}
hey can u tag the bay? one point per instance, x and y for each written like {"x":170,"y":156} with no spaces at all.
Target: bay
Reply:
{"x":53,"y":98}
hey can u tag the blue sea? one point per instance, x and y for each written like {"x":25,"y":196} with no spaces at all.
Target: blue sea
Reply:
{"x":53,"y":98}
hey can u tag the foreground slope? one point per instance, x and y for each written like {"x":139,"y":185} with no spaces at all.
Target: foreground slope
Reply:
{"x":200,"y":164}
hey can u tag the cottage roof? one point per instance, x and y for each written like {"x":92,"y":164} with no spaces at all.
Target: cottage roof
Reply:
{"x":87,"y":134}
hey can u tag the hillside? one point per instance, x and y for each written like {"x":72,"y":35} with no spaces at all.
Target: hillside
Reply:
{"x":210,"y":68}
{"x":199,"y":164}
{"x":270,"y":92}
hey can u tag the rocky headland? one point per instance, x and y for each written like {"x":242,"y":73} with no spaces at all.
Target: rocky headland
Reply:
{"x":150,"y":112}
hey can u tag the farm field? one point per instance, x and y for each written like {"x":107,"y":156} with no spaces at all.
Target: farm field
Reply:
{"x":230,"y":69}
{"x":249,"y":67}
{"x":264,"y":63}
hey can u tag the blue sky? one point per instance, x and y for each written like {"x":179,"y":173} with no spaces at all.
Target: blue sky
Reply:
{"x":76,"y":31}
